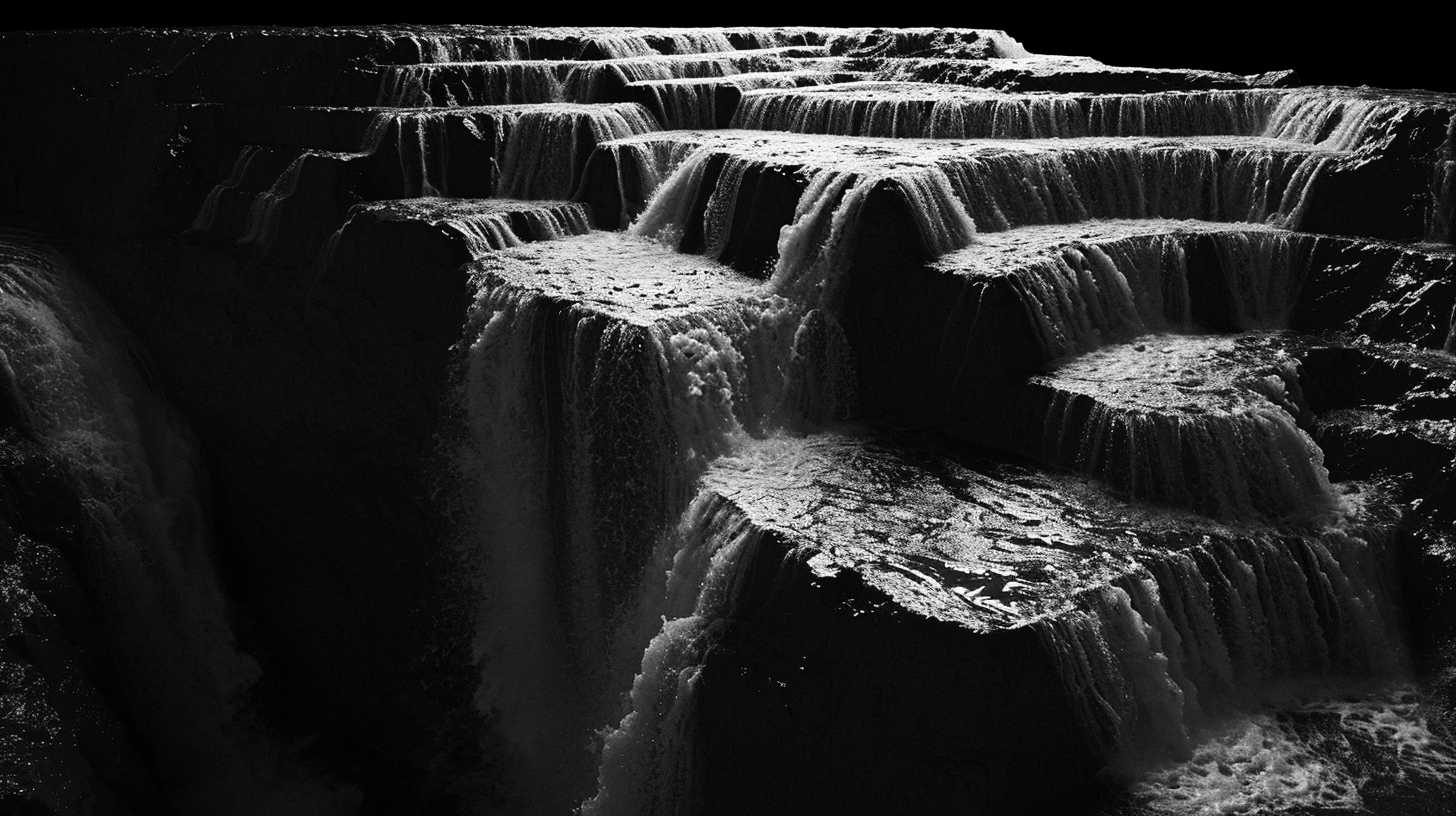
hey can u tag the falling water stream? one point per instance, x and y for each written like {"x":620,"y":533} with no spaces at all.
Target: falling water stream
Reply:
{"x":662,"y":420}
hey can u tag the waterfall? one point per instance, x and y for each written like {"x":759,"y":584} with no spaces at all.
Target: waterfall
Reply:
{"x":1193,"y":421}
{"x":588,"y":433}
{"x":913,"y":110}
{"x":485,"y":233}
{"x":309,"y":171}
{"x":513,"y":82}
{"x":419,"y":144}
{"x":693,"y":103}
{"x":1194,"y":638}
{"x":489,"y":231}
{"x":549,"y":146}
{"x":146,"y":558}
{"x":813,"y":248}
{"x":647,"y":760}
{"x":1082,"y":297}
{"x":683,"y":103}
{"x":1087,"y":294}
{"x":679,"y":41}
{"x":731,"y":420}
{"x":1264,"y":273}
{"x":1222,"y":448}
{"x":590,"y":82}
{"x":1336,"y":121}
{"x":601,"y":80}
{"x":1238,"y":113}
{"x":527,"y":151}
{"x":639,"y":168}
{"x":483,"y":225}
{"x":1015,"y":183}
{"x":1441,"y":224}
{"x":537,"y":150}
{"x":207,"y":216}
{"x":1205,"y":181}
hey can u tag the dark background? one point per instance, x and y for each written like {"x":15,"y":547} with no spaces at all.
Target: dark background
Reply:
{"x":1391,"y":46}
{"x":1398,"y":49}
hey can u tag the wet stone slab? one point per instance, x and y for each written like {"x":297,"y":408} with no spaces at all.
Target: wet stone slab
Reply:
{"x":627,"y":277}
{"x":983,"y":544}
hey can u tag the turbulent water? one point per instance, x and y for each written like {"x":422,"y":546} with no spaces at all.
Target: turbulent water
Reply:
{"x":146,"y":561}
{"x":511,"y":151}
{"x":1196,"y":654}
{"x":538,"y":150}
{"x":1335,"y":121}
{"x":573,"y":504}
{"x":1217,"y":616}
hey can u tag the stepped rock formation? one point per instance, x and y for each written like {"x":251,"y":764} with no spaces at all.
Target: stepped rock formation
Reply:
{"x":474,"y":419}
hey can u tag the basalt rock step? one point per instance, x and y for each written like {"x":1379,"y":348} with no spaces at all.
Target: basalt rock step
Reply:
{"x":920,"y":110}
{"x":1005,"y":308}
{"x":449,"y":232}
{"x":902,"y":618}
{"x":998,"y":184}
{"x":711,"y":102}
{"x":581,"y":81}
{"x":1381,"y":409}
{"x":1070,"y":75}
{"x":535,"y":151}
{"x":608,"y":322}
{"x":1343,"y":119}
{"x":452,"y":441}
{"x":1390,"y":292}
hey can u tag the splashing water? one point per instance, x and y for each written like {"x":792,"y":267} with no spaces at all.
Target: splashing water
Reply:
{"x":148,"y":560}
{"x":569,"y":590}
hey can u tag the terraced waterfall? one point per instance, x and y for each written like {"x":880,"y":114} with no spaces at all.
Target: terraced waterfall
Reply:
{"x":719,"y":421}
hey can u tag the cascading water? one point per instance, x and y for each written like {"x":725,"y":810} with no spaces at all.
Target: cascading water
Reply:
{"x":1085,"y":297}
{"x":647,"y":764}
{"x":577,"y":499}
{"x":145,"y":557}
{"x":1007,"y":184}
{"x":1083,"y":541}
{"x":911,"y":110}
{"x":548,"y":148}
{"x":1186,"y":420}
{"x":696,"y":381}
{"x":473,"y":83}
{"x":1090,"y":293}
{"x":537,"y":150}
{"x":1183,"y":419}
{"x":813,"y":246}
{"x":582,"y":575}
{"x":595,"y":81}
{"x":1224,"y":627}
{"x":1441,"y":225}
{"x":521,"y":151}
{"x":1337,"y":121}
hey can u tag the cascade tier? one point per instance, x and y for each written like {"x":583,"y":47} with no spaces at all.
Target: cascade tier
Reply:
{"x":719,"y":421}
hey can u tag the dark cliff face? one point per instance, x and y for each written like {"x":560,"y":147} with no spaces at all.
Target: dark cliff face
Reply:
{"x":285,"y":222}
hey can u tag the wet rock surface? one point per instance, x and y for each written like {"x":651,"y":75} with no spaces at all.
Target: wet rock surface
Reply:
{"x":453,"y":435}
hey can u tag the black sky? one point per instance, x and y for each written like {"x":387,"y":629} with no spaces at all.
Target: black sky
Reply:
{"x":1398,"y":47}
